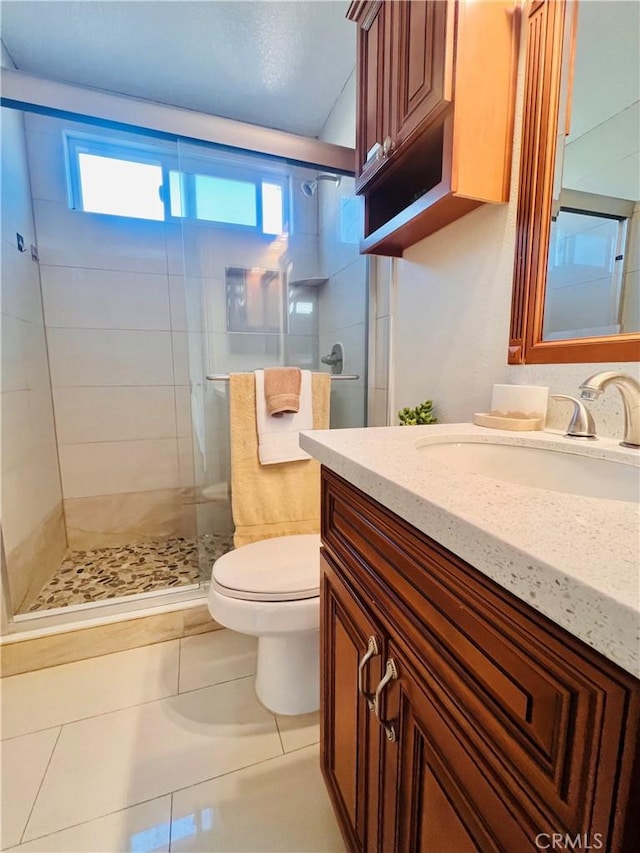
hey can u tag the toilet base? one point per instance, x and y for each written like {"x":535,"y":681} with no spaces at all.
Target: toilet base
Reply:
{"x":288,"y":673}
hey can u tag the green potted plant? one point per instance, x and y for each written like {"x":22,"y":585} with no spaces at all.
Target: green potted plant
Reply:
{"x":422,"y":414}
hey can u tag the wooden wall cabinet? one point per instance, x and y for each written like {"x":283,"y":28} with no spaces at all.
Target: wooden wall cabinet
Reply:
{"x":491,"y":724}
{"x":436,"y":85}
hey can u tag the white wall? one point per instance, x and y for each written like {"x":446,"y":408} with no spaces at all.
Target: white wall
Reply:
{"x":340,"y":126}
{"x":451,"y":320}
{"x":31,"y":492}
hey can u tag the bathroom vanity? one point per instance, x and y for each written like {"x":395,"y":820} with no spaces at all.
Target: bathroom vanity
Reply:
{"x":479,"y":648}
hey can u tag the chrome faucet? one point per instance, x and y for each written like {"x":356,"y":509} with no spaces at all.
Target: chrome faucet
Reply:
{"x":629,"y":390}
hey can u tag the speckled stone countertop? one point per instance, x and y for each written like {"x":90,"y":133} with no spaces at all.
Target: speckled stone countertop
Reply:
{"x":576,"y":559}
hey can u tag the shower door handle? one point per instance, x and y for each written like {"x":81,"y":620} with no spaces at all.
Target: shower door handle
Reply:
{"x":372,"y":652}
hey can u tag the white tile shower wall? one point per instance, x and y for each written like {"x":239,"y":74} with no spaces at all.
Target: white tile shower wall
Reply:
{"x":109,"y":312}
{"x":31,"y":490}
{"x":116,"y":467}
{"x":343,"y":300}
{"x":136,"y":313}
{"x":451,"y":323}
{"x":105,"y":299}
{"x":207,"y":254}
{"x":342,"y":315}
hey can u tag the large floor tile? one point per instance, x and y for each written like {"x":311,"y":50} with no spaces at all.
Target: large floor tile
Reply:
{"x":24,"y":761}
{"x":216,"y":657}
{"x":298,"y":731}
{"x":139,"y":829}
{"x":73,"y":691}
{"x":278,"y":805}
{"x":116,"y":760}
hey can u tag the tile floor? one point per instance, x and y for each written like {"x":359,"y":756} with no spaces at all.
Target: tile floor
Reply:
{"x":88,"y":576}
{"x":161,"y":748}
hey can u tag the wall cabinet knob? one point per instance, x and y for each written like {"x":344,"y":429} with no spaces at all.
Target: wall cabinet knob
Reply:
{"x":387,"y":146}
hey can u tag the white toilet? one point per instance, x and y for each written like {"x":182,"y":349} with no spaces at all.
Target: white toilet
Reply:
{"x":270,"y":590}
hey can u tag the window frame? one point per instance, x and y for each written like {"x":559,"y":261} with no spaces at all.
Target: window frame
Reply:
{"x":77,"y":143}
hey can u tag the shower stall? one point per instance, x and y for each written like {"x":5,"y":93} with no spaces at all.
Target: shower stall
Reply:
{"x":134,"y":267}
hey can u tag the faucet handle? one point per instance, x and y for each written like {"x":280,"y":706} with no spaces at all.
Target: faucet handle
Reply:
{"x":581,"y":424}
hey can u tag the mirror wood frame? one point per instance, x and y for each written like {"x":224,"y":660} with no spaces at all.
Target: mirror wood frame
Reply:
{"x":551,"y":30}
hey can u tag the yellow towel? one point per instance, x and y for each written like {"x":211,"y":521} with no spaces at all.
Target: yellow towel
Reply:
{"x":271,"y":500}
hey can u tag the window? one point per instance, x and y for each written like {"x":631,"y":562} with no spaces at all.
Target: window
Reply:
{"x":123,"y":180}
{"x":113,"y":180}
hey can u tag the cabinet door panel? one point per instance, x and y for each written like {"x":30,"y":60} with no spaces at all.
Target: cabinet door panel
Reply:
{"x":373,"y":90}
{"x":350,"y":736}
{"x":422,"y":88}
{"x":444,"y":800}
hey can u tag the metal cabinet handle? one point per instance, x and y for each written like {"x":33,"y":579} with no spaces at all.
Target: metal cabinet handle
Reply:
{"x":387,"y":146}
{"x":391,"y":673}
{"x":372,"y":652}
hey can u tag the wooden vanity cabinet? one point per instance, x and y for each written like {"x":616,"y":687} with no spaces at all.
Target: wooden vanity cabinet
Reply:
{"x":434,"y":113}
{"x":493,"y":725}
{"x":425,"y":791}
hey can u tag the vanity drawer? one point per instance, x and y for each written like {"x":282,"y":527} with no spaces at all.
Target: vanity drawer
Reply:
{"x":548,"y":715}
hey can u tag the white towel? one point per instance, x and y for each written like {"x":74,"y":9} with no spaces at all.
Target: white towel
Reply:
{"x":278,"y":437}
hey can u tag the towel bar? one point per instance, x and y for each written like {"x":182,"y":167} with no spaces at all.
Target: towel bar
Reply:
{"x":224,"y":377}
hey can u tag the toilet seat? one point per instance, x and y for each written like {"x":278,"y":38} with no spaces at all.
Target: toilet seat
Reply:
{"x":285,"y":568}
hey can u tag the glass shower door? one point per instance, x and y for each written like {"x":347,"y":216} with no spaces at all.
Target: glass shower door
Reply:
{"x":272,"y":275}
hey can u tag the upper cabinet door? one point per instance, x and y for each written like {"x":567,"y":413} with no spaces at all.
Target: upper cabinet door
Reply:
{"x":373,"y":119}
{"x":435,"y":97}
{"x":423,"y":48}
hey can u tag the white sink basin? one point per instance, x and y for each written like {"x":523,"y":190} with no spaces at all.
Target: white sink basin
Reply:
{"x":542,"y":468}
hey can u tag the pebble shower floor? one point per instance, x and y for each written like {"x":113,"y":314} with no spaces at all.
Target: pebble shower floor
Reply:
{"x":88,"y":576}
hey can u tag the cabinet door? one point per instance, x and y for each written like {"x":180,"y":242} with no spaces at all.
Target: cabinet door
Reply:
{"x":423,"y":64}
{"x":374,"y":89}
{"x":440,"y":800}
{"x":350,"y":736}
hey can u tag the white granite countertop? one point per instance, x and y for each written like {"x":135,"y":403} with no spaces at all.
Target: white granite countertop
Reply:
{"x":576,"y":559}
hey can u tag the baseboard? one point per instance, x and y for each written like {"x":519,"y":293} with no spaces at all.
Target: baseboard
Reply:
{"x":27,"y":655}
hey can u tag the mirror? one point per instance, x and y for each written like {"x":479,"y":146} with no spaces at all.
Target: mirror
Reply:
{"x":577,"y":274}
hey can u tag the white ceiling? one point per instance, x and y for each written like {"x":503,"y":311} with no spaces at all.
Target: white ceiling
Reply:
{"x":278,"y":63}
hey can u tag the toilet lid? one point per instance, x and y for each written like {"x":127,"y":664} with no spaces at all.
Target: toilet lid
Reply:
{"x":285,"y":568}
